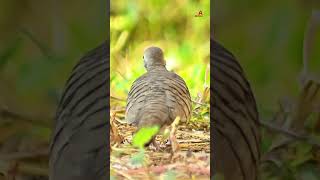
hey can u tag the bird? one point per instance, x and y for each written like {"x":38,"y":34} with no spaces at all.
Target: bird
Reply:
{"x":159,"y":96}
{"x":78,"y":150}
{"x":78,"y":145}
{"x":235,"y":134}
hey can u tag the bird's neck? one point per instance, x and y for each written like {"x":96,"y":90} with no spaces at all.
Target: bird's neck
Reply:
{"x":156,"y":68}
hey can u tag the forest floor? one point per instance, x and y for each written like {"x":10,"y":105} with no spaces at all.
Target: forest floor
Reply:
{"x":191,"y":161}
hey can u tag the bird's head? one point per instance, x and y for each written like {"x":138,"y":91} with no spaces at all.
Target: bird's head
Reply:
{"x":153,"y":58}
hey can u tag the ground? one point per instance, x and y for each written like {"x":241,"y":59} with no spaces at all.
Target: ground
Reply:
{"x":191,"y":161}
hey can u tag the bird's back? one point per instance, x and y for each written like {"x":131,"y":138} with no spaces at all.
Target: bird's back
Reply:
{"x":236,"y":136}
{"x":78,"y":146}
{"x":156,"y":98}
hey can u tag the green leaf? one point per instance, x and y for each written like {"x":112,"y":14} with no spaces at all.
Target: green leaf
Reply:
{"x":138,"y":158}
{"x":144,"y":135}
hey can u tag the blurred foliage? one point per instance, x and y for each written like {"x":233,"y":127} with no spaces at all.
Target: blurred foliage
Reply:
{"x":40,"y":43}
{"x":267,"y":39}
{"x":144,"y":135}
{"x":138,"y":158}
{"x":171,"y":25}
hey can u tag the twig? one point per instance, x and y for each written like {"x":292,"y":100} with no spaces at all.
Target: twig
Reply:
{"x":117,"y":71}
{"x":194,"y":141}
{"x":22,"y":155}
{"x":202,"y":104}
{"x":290,"y":134}
{"x":44,"y":50}
{"x":161,"y":169}
{"x":118,"y":99}
{"x":24,"y":168}
{"x":118,"y":111}
{"x":115,"y":133}
{"x":122,"y":173}
{"x":4,"y":113}
{"x":195,"y":134}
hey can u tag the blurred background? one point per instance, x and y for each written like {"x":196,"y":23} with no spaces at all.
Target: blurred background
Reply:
{"x":267,"y":39}
{"x":40,"y":42}
{"x":171,"y":25}
{"x":184,"y":38}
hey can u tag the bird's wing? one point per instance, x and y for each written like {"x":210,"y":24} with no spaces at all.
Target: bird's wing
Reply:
{"x":78,"y":150}
{"x":236,"y":135}
{"x":137,"y":98}
{"x":178,"y":96}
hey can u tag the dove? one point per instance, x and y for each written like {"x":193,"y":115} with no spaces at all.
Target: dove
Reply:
{"x":79,"y":146}
{"x":235,"y":133}
{"x":159,"y":96}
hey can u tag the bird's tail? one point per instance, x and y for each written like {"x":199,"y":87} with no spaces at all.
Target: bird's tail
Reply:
{"x":152,"y":116}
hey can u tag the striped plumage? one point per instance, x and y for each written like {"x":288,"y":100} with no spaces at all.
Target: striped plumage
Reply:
{"x":235,"y":134}
{"x":158,"y":96}
{"x":78,"y":148}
